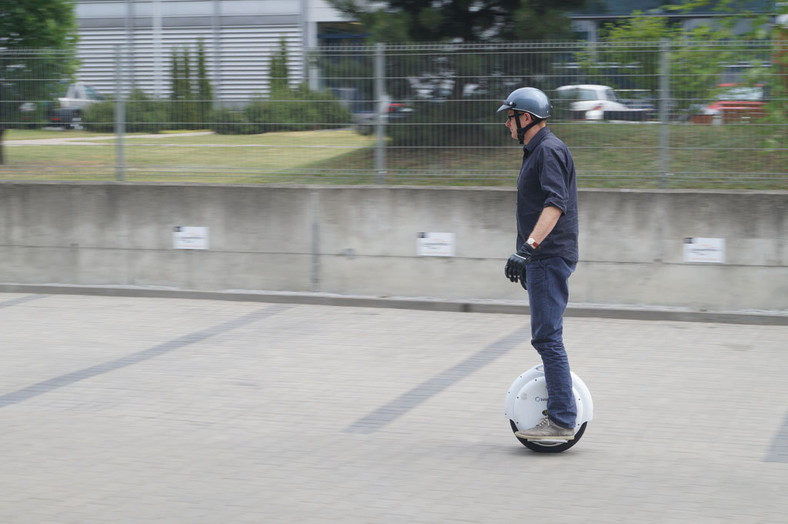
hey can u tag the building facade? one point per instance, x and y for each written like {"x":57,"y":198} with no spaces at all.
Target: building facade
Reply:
{"x":239,"y":37}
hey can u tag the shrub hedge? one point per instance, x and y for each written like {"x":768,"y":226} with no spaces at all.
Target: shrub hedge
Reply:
{"x":299,"y":109}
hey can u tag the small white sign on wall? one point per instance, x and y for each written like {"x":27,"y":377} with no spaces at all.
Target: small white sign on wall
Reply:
{"x":435,"y":244}
{"x":190,"y":237}
{"x":708,"y":250}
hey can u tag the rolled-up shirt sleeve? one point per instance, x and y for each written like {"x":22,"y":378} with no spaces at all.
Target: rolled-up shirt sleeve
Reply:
{"x":553,"y":180}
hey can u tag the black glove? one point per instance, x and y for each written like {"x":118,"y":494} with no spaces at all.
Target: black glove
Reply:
{"x":515,"y":266}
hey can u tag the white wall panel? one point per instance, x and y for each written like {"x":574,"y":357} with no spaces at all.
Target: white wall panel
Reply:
{"x":239,"y":36}
{"x":244,"y":54}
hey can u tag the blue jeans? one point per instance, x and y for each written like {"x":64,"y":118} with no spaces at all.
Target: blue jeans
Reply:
{"x":548,"y":294}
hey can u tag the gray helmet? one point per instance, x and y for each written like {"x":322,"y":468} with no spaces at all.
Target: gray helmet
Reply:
{"x":528,"y":100}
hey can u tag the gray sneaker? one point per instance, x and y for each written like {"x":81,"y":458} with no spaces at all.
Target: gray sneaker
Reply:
{"x":546,"y":429}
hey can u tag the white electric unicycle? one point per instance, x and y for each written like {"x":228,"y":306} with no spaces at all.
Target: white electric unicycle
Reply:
{"x":527,"y":400}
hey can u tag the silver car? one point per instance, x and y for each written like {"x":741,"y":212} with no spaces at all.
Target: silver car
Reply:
{"x":590,"y":101}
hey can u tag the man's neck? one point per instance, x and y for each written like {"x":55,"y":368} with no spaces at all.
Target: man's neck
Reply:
{"x":532,"y":132}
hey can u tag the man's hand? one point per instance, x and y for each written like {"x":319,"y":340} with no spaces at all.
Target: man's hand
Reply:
{"x":515,"y":266}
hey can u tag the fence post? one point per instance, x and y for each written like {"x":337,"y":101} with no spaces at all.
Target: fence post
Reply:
{"x":664,"y":113}
{"x":380,"y":88}
{"x":120,"y":115}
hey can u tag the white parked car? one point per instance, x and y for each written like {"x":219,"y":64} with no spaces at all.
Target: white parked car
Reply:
{"x":69,"y":108}
{"x":590,"y":101}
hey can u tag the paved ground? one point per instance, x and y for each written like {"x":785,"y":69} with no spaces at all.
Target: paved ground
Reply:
{"x":123,"y":409}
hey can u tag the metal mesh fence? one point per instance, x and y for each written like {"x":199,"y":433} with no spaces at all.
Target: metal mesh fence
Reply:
{"x":643,"y":114}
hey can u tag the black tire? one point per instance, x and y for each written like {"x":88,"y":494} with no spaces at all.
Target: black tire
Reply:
{"x":535,"y":445}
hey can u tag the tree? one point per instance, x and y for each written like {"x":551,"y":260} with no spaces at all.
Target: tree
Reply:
{"x":191,"y":96}
{"x":204,"y":89}
{"x":693,"y":68}
{"x":461,"y":20}
{"x":35,"y":24}
{"x":450,"y":82}
{"x":37,"y":53}
{"x":286,"y":108}
{"x":278,"y":71}
{"x":454,"y":21}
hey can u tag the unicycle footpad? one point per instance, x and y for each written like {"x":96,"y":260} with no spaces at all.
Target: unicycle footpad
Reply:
{"x":548,"y":446}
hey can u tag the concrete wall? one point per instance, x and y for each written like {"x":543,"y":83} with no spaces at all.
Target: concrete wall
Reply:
{"x":362,"y":240}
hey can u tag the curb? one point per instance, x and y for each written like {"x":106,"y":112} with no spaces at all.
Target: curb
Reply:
{"x":765,"y":318}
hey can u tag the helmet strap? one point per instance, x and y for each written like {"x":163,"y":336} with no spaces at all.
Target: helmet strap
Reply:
{"x":521,"y":131}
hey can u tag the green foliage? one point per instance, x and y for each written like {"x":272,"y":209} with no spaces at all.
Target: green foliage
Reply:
{"x":694,"y":67}
{"x":285,"y":109}
{"x":38,"y":24}
{"x":278,"y":72}
{"x":190,"y":107}
{"x":389,"y":27}
{"x":469,"y":122}
{"x":541,"y":21}
{"x":430,"y":18}
{"x":204,"y":89}
{"x":335,"y":70}
{"x":450,"y":21}
{"x":461,"y":20}
{"x":639,"y":28}
{"x":299,"y":109}
{"x":48,"y":26}
{"x":177,"y":87}
{"x":777,"y":109}
{"x":226,"y":121}
{"x":192,"y":98}
{"x":144,"y":114}
{"x":99,"y":117}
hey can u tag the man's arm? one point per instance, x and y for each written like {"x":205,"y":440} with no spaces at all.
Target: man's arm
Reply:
{"x":547,"y":221}
{"x":515,"y":266}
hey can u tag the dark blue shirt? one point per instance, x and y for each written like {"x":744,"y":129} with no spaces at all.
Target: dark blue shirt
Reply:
{"x":548,"y":178}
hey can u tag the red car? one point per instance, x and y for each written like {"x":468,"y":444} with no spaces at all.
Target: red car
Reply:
{"x":734,"y":103}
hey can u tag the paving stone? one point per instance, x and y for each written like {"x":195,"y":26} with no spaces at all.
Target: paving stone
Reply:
{"x":130,"y":409}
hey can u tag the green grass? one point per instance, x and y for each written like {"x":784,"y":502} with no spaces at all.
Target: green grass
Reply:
{"x":186,"y":157}
{"x":747,"y":156}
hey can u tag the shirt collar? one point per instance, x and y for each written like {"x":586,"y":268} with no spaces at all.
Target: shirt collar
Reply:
{"x":536,"y":140}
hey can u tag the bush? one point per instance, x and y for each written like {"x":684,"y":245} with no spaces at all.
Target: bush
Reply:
{"x":99,"y":117}
{"x":466,"y":122}
{"x":287,"y":110}
{"x":298,"y":109}
{"x":186,"y":114}
{"x":143,"y":115}
{"x":227,"y":121}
